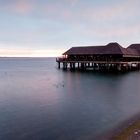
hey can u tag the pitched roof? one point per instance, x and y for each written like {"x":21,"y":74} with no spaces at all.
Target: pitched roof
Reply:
{"x":111,"y":48}
{"x":114,"y":48}
{"x":135,"y":48}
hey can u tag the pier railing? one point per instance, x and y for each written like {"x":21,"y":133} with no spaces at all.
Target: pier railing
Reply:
{"x":101,"y":64}
{"x":62,"y":59}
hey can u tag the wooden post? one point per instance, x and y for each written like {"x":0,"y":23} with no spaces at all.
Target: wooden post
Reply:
{"x":73,"y":65}
{"x":78,"y":65}
{"x":59,"y":65}
{"x":119,"y":68}
{"x":70,"y":65}
{"x":64,"y":65}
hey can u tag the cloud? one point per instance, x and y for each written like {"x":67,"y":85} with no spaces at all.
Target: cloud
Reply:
{"x":73,"y":9}
{"x":116,"y":21}
{"x":54,"y":22}
{"x":22,"y":7}
{"x":116,"y":11}
{"x":72,"y":2}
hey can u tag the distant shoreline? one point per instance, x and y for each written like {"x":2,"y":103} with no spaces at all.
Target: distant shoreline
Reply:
{"x":25,"y":57}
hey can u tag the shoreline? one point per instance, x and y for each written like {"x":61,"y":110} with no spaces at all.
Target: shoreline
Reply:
{"x":127,"y":130}
{"x":132,"y":132}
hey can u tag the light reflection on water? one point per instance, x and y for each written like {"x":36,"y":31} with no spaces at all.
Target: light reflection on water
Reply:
{"x":38,"y":101}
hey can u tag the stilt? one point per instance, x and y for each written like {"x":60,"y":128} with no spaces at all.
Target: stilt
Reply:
{"x":59,"y":65}
{"x":65,"y":65}
{"x":78,"y":65}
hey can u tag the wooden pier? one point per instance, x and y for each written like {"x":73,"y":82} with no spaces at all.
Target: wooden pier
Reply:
{"x":111,"y":57}
{"x":97,"y":65}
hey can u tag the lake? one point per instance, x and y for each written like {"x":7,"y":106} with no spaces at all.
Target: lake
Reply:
{"x":38,"y":101}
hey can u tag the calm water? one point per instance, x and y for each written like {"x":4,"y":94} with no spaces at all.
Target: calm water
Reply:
{"x":40,"y":102}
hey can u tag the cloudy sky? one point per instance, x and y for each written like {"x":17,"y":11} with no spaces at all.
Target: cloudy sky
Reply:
{"x":49,"y":27}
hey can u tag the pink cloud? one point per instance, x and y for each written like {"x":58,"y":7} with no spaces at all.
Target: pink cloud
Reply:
{"x":57,"y":11}
{"x":102,"y":21}
{"x":68,"y":12}
{"x":72,"y":9}
{"x":23,"y":7}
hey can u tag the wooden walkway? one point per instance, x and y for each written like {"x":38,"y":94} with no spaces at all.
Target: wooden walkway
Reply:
{"x":98,"y":65}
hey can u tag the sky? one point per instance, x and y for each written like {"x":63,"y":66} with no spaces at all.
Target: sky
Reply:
{"x":50,"y":27}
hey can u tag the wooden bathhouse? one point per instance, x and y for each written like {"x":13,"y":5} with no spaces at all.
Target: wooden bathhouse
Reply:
{"x":106,"y":57}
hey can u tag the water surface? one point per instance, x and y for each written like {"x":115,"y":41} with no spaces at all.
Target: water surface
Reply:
{"x":40,"y":102}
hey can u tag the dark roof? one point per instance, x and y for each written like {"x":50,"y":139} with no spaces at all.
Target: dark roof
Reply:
{"x":111,"y":48}
{"x":133,"y":52}
{"x":135,"y":48}
{"x":114,"y":48}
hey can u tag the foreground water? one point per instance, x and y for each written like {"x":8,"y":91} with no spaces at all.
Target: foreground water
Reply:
{"x":40,"y":102}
